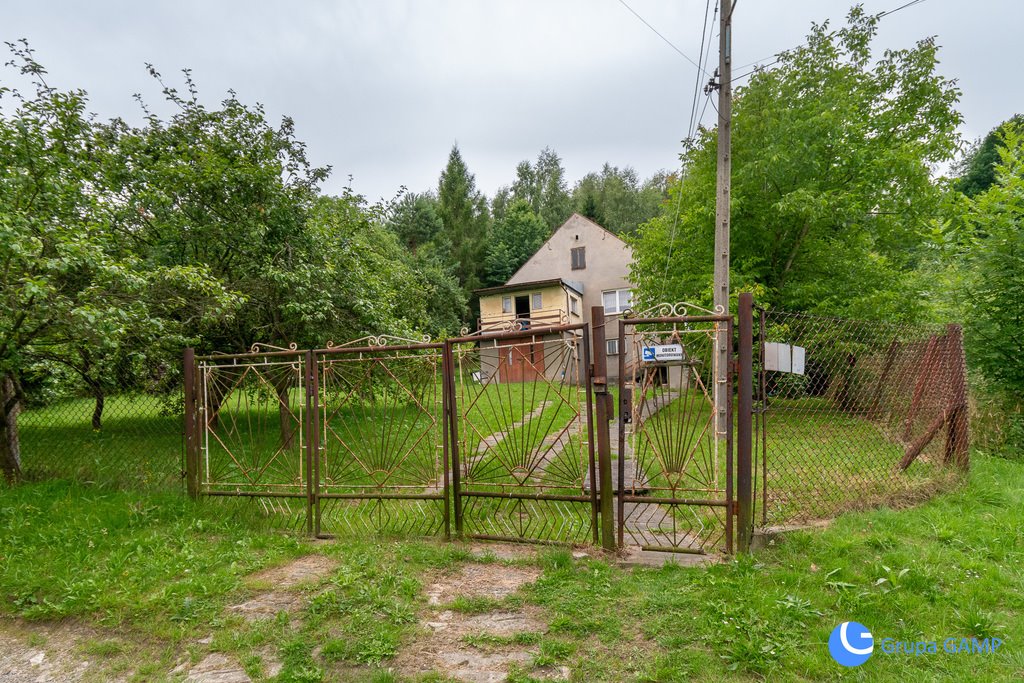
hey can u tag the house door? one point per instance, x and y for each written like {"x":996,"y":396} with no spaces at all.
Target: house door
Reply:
{"x":523,"y":310}
{"x":520,"y":359}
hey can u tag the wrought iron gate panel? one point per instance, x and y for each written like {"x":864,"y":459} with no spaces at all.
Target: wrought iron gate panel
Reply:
{"x":253,"y":429}
{"x":674,"y":476}
{"x":523,"y":446}
{"x":381,"y":438}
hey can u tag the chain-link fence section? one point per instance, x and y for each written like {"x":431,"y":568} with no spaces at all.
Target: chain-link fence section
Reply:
{"x":853,"y":414}
{"x":115,"y":422}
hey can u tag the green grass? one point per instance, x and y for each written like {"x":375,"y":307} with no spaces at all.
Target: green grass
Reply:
{"x":139,"y":446}
{"x":160,"y":570}
{"x":820,"y":461}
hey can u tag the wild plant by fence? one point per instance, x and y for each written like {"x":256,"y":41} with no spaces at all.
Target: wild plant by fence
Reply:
{"x":854,"y":414}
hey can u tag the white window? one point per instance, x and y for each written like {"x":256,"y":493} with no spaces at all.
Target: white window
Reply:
{"x":574,"y":305}
{"x":612,"y":347}
{"x":506,"y":304}
{"x":617,"y":300}
{"x":537,"y":302}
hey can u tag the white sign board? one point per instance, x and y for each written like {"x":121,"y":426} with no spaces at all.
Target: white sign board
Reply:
{"x":663,"y":353}
{"x":784,"y":358}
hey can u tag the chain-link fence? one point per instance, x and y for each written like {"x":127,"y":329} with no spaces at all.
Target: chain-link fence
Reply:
{"x":115,"y":421}
{"x":853,"y":414}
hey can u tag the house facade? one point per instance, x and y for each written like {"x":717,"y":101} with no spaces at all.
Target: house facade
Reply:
{"x":580,"y":266}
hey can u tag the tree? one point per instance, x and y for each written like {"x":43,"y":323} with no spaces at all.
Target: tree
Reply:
{"x":996,"y":284}
{"x":71,"y":292}
{"x":977,"y":168}
{"x":465,"y":217}
{"x":415,"y":220}
{"x":615,"y":198}
{"x":832,"y":195}
{"x":514,"y":239}
{"x":543,"y":187}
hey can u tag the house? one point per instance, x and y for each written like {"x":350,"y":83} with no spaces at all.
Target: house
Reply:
{"x":581,"y":265}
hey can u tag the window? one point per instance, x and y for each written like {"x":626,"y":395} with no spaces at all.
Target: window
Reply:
{"x":617,"y":300}
{"x":574,"y":305}
{"x":612,"y":347}
{"x":579,"y":258}
{"x":506,"y":304}
{"x":536,"y":302}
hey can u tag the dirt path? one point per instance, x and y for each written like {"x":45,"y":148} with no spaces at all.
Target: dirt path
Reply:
{"x":479,"y":648}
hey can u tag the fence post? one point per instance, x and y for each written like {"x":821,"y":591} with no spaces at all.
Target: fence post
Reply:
{"x":453,"y":435}
{"x":191,"y":424}
{"x":957,"y":436}
{"x":604,"y":446}
{"x":312,"y":452}
{"x":744,"y":494}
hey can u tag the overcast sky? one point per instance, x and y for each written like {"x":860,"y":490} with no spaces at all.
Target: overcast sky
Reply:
{"x":381,"y":89}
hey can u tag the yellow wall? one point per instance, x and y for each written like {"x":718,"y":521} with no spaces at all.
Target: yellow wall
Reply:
{"x":553,"y":299}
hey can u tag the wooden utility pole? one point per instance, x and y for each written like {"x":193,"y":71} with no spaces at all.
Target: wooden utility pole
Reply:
{"x":721,"y":287}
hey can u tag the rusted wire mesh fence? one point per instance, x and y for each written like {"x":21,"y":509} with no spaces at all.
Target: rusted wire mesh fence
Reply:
{"x":114,"y":422}
{"x":853,"y":414}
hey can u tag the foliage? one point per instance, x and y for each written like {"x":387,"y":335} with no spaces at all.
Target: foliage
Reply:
{"x":415,"y":221}
{"x":832,"y":198}
{"x":977,"y":168}
{"x":996,"y":282}
{"x":542,"y":186}
{"x":514,"y":239}
{"x":617,"y":200}
{"x":465,"y":217}
{"x":73,"y":293}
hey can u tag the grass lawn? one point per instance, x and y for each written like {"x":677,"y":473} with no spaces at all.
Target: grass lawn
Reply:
{"x":150,"y":578}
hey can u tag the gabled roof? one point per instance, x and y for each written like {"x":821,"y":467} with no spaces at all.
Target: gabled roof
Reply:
{"x":534,"y":284}
{"x":607,"y":233}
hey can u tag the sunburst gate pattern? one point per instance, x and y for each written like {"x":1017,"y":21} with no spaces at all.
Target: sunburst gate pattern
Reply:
{"x":525,"y":439}
{"x":254,"y":425}
{"x":673,"y":488}
{"x":381,"y":439}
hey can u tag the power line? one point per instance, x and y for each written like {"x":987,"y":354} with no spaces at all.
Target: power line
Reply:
{"x":667,"y":41}
{"x":761,"y":64}
{"x":691,"y":128}
{"x":894,"y":11}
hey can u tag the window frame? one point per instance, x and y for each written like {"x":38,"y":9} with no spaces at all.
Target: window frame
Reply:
{"x":578,"y":258}
{"x":611,"y":347}
{"x":536,"y":301}
{"x":619,"y":299}
{"x":506,"y":304}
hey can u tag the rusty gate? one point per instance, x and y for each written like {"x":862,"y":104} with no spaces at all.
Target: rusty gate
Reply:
{"x":494,"y":435}
{"x":674,"y":466}
{"x":522,"y":435}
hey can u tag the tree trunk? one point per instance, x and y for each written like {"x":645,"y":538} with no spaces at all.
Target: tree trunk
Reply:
{"x":286,"y":417}
{"x":10,"y":446}
{"x":97,"y":411}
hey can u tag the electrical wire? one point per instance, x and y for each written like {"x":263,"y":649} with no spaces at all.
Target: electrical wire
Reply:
{"x":658,"y":33}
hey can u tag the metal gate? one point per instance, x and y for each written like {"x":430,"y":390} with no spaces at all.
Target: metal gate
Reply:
{"x":248,"y":435}
{"x":674,"y":469}
{"x":523,"y":446}
{"x":494,"y":431}
{"x":381,"y":440}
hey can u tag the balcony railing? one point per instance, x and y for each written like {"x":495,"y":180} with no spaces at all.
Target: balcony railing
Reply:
{"x":532,"y":323}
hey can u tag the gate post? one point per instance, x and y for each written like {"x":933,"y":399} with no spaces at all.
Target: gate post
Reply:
{"x":453,"y":435}
{"x":192,"y":434}
{"x":312,"y":452}
{"x":602,"y":399}
{"x":744,"y":472}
